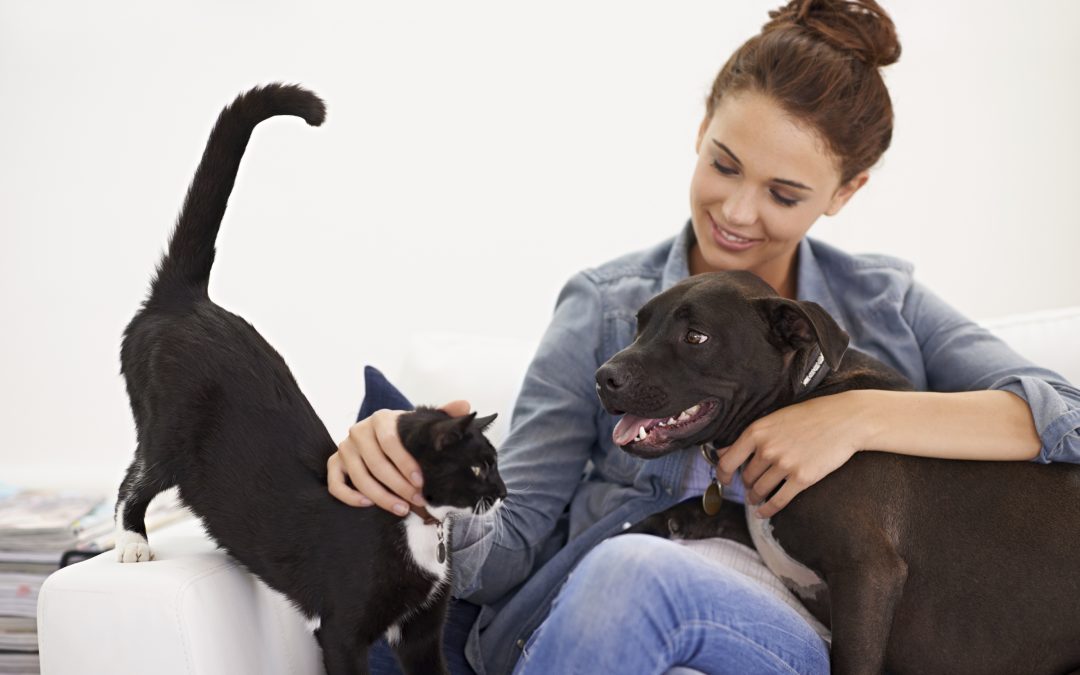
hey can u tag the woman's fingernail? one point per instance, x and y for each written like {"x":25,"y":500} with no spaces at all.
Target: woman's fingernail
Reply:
{"x":401,"y":509}
{"x":417,"y":480}
{"x":364,"y":501}
{"x":418,"y":499}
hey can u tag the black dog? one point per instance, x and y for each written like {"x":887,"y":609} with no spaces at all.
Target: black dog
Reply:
{"x":219,"y":415}
{"x":918,"y":565}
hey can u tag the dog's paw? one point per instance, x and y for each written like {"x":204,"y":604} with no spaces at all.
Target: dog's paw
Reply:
{"x":132,"y":547}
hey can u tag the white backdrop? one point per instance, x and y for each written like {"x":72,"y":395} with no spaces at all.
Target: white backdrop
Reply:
{"x":474,"y":157}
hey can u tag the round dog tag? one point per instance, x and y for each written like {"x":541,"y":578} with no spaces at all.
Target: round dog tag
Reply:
{"x":712,"y":498}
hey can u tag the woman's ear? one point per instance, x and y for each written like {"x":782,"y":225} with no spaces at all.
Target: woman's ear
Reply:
{"x":846,"y":192}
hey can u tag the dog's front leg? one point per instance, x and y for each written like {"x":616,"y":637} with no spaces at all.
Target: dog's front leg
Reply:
{"x":863,"y":601}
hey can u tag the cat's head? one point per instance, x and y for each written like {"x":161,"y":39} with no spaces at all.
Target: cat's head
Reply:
{"x":457,"y":460}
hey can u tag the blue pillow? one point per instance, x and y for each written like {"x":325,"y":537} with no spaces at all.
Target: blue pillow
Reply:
{"x":379,"y":394}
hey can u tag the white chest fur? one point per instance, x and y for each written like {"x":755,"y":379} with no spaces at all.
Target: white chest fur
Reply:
{"x":423,"y":541}
{"x":802,"y":580}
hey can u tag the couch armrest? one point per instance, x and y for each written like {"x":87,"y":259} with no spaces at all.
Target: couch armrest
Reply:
{"x":191,"y":611}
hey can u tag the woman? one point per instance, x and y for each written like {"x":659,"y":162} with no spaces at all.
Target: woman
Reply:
{"x":794,"y":122}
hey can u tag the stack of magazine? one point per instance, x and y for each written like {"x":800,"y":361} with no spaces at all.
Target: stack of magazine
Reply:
{"x":40,"y":531}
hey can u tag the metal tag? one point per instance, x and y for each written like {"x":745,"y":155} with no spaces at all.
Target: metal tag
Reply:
{"x":712,"y":498}
{"x":442,"y":552}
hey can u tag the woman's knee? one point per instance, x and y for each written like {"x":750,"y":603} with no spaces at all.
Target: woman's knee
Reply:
{"x":634,"y":562}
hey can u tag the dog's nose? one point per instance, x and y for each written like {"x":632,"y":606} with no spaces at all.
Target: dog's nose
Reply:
{"x":609,"y":378}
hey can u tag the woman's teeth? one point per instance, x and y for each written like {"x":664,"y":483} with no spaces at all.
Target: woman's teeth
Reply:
{"x":730,"y":237}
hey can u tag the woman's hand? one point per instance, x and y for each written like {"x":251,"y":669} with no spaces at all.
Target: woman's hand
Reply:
{"x":380,"y":469}
{"x":797,"y":445}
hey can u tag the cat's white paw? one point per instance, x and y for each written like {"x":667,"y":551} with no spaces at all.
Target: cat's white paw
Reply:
{"x":132,"y":547}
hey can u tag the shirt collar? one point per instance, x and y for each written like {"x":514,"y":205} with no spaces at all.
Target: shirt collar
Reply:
{"x":677,"y":266}
{"x":811,"y":283}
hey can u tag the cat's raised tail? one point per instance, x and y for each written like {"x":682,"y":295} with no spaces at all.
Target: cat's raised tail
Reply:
{"x":184,"y":272}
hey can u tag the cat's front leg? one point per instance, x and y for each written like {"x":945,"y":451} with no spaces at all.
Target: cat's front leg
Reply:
{"x":420,"y":648}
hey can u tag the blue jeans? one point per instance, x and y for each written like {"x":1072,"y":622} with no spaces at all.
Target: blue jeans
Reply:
{"x":641,"y":604}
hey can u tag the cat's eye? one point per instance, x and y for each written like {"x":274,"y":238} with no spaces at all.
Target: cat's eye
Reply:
{"x":696,"y":338}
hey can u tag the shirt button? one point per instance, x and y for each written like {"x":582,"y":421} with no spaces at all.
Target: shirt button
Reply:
{"x":626,"y":525}
{"x":521,"y":644}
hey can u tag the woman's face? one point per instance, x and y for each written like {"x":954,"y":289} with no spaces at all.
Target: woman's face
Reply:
{"x":760,"y":182}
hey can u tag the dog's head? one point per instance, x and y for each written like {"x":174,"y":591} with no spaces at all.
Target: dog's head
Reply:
{"x":711,"y":354}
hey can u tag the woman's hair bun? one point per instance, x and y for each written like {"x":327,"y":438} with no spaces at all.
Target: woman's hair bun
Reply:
{"x":860,"y":27}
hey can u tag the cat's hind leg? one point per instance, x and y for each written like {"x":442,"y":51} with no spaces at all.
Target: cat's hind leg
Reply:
{"x":139,"y":487}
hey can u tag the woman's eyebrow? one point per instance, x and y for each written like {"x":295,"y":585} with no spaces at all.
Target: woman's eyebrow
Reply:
{"x":782,"y":181}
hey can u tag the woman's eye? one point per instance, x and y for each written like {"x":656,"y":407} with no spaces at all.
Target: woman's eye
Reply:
{"x":476,"y":470}
{"x":726,"y":170}
{"x":696,"y":338}
{"x":783,"y":201}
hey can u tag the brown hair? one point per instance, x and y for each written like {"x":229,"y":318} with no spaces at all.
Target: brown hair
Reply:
{"x":819,"y":60}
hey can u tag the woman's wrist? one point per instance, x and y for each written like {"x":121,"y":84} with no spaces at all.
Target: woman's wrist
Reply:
{"x":867,"y":423}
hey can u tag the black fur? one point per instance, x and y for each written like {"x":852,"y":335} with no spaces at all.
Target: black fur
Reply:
{"x":219,"y":415}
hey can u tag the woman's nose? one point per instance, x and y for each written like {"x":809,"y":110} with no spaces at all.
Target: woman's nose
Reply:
{"x":740,"y":207}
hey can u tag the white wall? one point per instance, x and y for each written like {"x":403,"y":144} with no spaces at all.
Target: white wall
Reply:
{"x":475,"y":156}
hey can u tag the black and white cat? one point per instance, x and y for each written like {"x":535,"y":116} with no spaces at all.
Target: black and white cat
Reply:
{"x":219,"y":415}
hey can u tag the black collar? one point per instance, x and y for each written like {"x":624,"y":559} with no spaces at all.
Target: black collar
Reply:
{"x":816,"y":371}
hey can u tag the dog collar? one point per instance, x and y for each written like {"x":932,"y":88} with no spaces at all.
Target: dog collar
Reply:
{"x":815,"y":373}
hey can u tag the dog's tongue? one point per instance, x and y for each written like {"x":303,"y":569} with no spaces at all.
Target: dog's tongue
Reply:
{"x":627,"y":428}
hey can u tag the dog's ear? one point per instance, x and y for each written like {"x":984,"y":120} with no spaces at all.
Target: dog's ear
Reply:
{"x":450,"y":431}
{"x":795,"y":324}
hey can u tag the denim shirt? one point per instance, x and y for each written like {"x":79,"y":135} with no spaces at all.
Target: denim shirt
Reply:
{"x":570,"y":487}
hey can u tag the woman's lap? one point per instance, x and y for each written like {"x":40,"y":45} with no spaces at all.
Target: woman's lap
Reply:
{"x":640,"y":604}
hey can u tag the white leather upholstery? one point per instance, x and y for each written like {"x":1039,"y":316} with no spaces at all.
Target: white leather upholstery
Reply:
{"x":193,"y":611}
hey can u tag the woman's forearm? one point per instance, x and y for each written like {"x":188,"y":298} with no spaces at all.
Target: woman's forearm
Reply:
{"x":983,"y":425}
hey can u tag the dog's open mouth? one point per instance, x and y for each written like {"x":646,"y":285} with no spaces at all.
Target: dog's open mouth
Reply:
{"x":651,"y":437}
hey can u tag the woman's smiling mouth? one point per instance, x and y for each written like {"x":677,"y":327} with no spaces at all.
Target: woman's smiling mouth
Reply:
{"x":728,"y":240}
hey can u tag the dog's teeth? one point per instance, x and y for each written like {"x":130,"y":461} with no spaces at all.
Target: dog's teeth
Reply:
{"x":690,"y":412}
{"x":642,"y":434}
{"x":671,"y":421}
{"x":683,"y":416}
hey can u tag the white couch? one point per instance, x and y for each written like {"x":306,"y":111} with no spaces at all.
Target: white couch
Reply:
{"x":193,"y":611}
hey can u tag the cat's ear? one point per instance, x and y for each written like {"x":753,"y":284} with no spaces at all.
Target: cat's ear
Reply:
{"x":484,"y":422}
{"x":451,"y":431}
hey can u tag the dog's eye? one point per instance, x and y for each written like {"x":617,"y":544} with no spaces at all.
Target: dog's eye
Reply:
{"x":476,"y":470}
{"x":696,"y":338}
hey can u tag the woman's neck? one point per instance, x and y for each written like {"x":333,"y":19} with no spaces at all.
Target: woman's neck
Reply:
{"x":782,"y":275}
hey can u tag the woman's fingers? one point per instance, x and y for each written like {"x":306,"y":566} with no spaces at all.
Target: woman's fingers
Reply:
{"x":764,"y":486}
{"x":381,"y":470}
{"x":339,"y":488}
{"x":456,"y":408}
{"x":403,"y":475}
{"x":374,"y":475}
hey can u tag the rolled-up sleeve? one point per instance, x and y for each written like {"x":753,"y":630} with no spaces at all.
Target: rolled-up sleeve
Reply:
{"x":960,"y":355}
{"x":551,"y":437}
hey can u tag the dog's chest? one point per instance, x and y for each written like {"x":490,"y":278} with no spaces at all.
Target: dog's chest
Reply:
{"x":424,"y":543}
{"x":802,"y":580}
